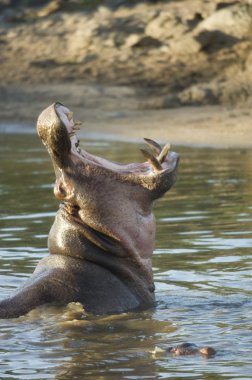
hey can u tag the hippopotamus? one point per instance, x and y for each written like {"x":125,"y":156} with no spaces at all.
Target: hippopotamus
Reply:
{"x":102,"y":239}
{"x":191,"y":349}
{"x":183,"y":349}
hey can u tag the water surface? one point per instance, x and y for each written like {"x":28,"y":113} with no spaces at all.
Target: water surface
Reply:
{"x":202,"y":269}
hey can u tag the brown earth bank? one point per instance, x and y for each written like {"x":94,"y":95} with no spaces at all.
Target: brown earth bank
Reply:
{"x":128,"y":67}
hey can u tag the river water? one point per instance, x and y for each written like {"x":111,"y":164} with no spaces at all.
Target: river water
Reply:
{"x":202,"y":268}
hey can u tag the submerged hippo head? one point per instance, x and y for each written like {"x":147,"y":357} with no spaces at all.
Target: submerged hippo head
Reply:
{"x":106,"y":214}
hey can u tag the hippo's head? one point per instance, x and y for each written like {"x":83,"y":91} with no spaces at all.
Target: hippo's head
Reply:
{"x":57,"y":129}
{"x":109,"y":203}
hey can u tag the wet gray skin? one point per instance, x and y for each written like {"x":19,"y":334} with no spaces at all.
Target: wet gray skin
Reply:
{"x":191,"y":349}
{"x":102,"y":239}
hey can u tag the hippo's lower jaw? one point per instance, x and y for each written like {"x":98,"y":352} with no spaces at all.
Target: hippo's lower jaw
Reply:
{"x":102,"y":239}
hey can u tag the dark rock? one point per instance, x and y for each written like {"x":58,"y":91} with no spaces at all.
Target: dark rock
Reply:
{"x":192,"y":23}
{"x":212,"y":41}
{"x":222,"y":5}
{"x":147,"y":42}
{"x":199,"y":94}
{"x":44,"y":63}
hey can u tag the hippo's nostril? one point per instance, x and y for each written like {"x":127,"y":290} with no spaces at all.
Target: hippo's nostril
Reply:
{"x":59,"y":191}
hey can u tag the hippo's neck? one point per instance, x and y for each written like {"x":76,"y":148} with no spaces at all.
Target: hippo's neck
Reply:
{"x":69,"y":237}
{"x":72,"y":237}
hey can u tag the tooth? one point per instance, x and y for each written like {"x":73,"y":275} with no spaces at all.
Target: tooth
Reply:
{"x":69,"y":115}
{"x":154,"y":145}
{"x":152,"y":160}
{"x":164,"y":152}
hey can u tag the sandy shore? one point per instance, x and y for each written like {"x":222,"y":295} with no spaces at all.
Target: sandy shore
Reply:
{"x":209,"y":126}
{"x":115,"y":113}
{"x":122,"y":68}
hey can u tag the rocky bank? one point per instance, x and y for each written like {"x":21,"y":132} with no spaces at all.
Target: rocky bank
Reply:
{"x":126,"y":54}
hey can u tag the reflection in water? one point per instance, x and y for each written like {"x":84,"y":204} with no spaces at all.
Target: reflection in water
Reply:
{"x":202,"y":267}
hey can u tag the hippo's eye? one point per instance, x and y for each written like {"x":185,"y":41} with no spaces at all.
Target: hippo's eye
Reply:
{"x":62,"y":191}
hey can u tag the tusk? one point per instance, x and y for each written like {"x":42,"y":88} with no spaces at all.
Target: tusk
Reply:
{"x":153,"y":145}
{"x":77,"y":124}
{"x":164,"y":152}
{"x":152,"y":160}
{"x":69,"y":115}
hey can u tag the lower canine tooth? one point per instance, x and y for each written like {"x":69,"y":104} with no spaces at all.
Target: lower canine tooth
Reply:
{"x":164,"y":153}
{"x":156,"y":165}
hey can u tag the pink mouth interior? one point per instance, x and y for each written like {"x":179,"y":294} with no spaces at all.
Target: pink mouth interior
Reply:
{"x":145,"y":168}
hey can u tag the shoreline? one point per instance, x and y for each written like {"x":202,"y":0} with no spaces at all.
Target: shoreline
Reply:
{"x":122,"y":68}
{"x":202,"y":126}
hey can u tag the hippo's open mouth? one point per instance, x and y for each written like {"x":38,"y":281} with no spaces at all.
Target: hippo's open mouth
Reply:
{"x":57,"y":129}
{"x":162,"y":159}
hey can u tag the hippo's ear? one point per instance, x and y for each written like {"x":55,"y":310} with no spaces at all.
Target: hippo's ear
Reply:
{"x":54,"y":135}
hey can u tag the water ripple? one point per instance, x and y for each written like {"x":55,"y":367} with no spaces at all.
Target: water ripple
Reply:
{"x":202,"y":270}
